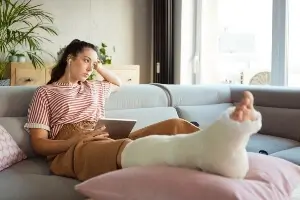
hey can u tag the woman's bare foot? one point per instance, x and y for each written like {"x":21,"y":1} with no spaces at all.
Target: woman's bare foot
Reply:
{"x":244,"y":110}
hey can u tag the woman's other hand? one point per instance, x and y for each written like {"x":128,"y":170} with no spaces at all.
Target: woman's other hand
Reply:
{"x":98,"y":134}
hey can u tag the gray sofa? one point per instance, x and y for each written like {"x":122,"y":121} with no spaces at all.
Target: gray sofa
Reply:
{"x":149,"y":103}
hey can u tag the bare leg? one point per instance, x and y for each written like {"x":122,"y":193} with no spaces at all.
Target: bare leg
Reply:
{"x":167,"y":127}
{"x":220,"y":149}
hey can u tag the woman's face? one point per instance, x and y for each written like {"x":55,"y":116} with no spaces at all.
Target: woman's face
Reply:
{"x":82,"y":66}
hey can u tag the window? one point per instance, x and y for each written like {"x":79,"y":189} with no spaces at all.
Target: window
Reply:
{"x":236,"y":41}
{"x":293,"y":47}
{"x":252,"y":42}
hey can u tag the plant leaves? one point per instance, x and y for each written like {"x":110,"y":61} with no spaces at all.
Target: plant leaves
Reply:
{"x":20,"y":26}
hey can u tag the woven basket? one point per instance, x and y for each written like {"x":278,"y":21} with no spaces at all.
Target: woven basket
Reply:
{"x":5,"y":82}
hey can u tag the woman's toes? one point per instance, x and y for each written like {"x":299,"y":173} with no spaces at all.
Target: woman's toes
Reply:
{"x":237,"y":115}
{"x":249,"y":99}
{"x":245,"y":109}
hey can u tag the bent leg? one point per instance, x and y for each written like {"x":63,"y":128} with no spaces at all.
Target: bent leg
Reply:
{"x":167,"y":127}
{"x":97,"y":157}
{"x":89,"y":159}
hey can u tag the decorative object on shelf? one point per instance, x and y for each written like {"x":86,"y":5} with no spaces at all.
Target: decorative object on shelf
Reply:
{"x":34,"y":20}
{"x":21,"y":57}
{"x":242,"y":77}
{"x":12,"y":55}
{"x":227,"y":81}
{"x":261,"y":78}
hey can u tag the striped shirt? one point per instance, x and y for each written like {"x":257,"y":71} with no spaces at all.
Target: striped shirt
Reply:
{"x":57,"y":104}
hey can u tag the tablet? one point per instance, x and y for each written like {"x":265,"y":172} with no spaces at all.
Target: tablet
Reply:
{"x":117,"y":128}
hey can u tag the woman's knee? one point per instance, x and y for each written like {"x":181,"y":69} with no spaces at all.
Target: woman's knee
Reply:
{"x":121,"y":149}
{"x":175,"y":121}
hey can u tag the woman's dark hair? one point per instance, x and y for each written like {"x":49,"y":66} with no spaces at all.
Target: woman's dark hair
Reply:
{"x":75,"y":47}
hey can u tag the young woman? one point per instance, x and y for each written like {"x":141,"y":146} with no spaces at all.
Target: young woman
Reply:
{"x":63,"y":114}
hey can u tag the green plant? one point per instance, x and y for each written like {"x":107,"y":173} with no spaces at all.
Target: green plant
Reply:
{"x":92,"y":76}
{"x":3,"y":67}
{"x":21,"y":26}
{"x":20,"y":54}
{"x":12,"y":52}
{"x":104,"y":58}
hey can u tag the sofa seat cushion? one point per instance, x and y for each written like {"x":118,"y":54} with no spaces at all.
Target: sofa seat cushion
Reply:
{"x":18,"y":186}
{"x":33,"y":180}
{"x":204,"y":115}
{"x":292,"y":155}
{"x":268,"y":178}
{"x":270,"y":144}
{"x":29,"y":166}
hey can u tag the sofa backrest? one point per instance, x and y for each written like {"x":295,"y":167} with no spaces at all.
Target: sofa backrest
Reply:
{"x":279,"y":106}
{"x":146,"y":103}
{"x":14,"y":103}
{"x":199,"y":103}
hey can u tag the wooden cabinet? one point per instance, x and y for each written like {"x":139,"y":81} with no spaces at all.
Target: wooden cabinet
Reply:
{"x":129,"y":74}
{"x":26,"y":74}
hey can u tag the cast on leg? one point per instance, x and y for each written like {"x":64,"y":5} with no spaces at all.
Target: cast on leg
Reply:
{"x":220,"y":149}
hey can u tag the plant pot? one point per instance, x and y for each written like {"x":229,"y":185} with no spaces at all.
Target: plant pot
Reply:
{"x":22,"y":59}
{"x":5,"y":82}
{"x":13,"y":58}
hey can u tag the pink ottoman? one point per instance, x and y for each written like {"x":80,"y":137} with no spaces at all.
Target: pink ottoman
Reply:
{"x":269,"y":178}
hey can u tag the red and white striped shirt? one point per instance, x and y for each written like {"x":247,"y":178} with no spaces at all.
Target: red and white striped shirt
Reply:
{"x":57,"y":104}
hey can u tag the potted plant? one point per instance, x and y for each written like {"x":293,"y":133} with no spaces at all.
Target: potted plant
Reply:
{"x":33,"y":20}
{"x":21,"y":57}
{"x":105,"y":59}
{"x":12,"y":55}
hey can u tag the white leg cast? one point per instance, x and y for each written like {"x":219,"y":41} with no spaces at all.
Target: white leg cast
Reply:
{"x":224,"y":145}
{"x":220,"y":149}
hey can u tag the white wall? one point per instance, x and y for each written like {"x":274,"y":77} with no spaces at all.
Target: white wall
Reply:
{"x":123,"y":24}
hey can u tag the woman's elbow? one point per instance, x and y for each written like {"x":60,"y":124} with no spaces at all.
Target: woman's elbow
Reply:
{"x":36,"y":139}
{"x":118,"y":82}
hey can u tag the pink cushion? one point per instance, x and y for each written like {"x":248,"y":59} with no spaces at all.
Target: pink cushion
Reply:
{"x":10,"y":153}
{"x":268,"y":178}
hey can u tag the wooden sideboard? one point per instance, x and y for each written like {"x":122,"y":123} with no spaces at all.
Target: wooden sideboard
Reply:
{"x":26,"y":74}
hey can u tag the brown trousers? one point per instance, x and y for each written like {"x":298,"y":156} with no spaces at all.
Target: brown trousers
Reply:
{"x":88,"y":159}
